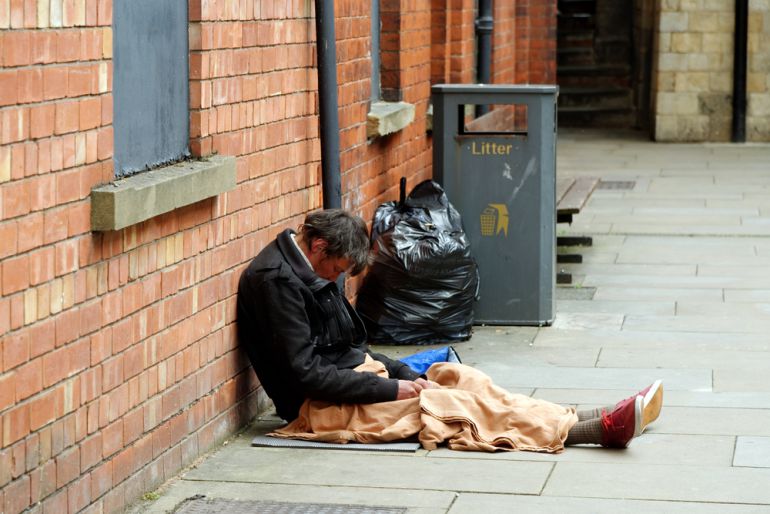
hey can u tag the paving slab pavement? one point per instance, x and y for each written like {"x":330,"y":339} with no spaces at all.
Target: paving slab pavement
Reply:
{"x":674,"y":286}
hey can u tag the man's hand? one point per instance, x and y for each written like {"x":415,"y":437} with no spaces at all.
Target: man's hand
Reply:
{"x":408,"y":389}
{"x":427,"y":384}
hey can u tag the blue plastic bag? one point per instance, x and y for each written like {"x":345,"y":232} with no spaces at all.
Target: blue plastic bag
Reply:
{"x":420,"y":362}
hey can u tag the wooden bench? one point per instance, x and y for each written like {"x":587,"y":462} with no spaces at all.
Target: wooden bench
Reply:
{"x":571,"y":196}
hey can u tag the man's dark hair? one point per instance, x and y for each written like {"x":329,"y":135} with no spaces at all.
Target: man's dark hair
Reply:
{"x":346,"y":235}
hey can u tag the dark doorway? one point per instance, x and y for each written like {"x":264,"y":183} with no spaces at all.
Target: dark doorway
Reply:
{"x":598,"y":68}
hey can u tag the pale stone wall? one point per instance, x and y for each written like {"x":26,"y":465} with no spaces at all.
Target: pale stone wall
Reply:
{"x":758,"y":110}
{"x":692,"y":80}
{"x":692,"y":77}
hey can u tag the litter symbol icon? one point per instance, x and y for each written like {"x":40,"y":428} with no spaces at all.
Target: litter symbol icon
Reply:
{"x":494,"y":219}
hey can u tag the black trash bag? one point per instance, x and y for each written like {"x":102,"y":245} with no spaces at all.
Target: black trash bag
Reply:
{"x":422,"y":284}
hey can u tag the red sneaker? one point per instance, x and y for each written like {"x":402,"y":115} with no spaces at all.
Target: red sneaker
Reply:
{"x":651,"y":404}
{"x":653,"y":401}
{"x":620,"y":425}
{"x":638,"y":411}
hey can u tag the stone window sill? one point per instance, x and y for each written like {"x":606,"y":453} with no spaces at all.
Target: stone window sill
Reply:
{"x":388,"y":117}
{"x":140,"y":197}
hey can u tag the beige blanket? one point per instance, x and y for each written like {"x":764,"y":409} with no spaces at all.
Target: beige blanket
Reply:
{"x":468,"y":412}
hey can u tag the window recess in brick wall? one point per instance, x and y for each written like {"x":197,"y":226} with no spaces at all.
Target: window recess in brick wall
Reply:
{"x":153,"y":170}
{"x":387,"y":112}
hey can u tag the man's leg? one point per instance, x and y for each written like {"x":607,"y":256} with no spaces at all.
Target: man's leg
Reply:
{"x":615,"y":426}
{"x":585,"y":415}
{"x":653,"y":393}
{"x":471,"y":413}
{"x":587,"y":431}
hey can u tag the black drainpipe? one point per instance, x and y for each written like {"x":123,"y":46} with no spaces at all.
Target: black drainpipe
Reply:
{"x":484,"y":25}
{"x":326,"y":48}
{"x":739,"y":70}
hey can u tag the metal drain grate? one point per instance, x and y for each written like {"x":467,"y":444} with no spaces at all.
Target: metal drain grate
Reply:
{"x":616,"y":184}
{"x":203,"y":505}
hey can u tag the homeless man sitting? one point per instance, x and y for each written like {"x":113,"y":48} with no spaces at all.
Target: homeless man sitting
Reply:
{"x":308,"y":347}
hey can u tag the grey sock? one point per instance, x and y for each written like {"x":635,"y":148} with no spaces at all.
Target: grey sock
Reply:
{"x":585,"y":432}
{"x":585,"y":415}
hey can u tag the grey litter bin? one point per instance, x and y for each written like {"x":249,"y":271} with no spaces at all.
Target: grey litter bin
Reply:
{"x":500,"y":176}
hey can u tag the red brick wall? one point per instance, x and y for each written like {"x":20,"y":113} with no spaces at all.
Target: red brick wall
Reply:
{"x":118,"y":359}
{"x":380,"y":164}
{"x":535,"y":50}
{"x":504,"y":43}
{"x":524,"y":42}
{"x":462,"y":46}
